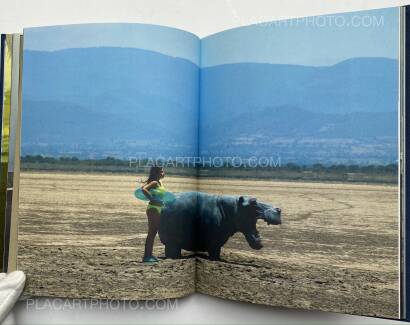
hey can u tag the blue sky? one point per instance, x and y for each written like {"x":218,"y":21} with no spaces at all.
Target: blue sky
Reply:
{"x":314,"y":41}
{"x":169,"y":41}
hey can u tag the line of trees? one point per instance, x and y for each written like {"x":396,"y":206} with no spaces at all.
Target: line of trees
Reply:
{"x":111,"y":161}
{"x":108,"y":161}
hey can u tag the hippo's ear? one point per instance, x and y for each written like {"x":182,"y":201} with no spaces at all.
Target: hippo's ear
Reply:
{"x":241,"y":200}
{"x":252,"y":201}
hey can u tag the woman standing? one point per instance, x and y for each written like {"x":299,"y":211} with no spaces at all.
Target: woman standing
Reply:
{"x":154,"y":208}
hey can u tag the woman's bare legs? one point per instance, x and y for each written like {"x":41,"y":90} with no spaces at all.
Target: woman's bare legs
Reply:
{"x":153,"y":225}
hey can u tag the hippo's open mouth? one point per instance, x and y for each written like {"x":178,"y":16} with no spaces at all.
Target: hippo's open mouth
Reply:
{"x":254,"y":240}
{"x":272,"y":216}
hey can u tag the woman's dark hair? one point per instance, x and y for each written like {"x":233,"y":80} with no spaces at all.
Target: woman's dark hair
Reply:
{"x":154,"y":174}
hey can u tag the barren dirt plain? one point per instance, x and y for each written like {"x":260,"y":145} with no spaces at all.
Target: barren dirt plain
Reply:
{"x":82,"y":236}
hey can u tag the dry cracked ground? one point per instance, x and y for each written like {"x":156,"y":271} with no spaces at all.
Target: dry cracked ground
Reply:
{"x":82,"y":236}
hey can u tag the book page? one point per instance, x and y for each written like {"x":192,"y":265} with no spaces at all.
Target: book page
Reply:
{"x":11,"y":225}
{"x":102,"y":104}
{"x":5,"y":116}
{"x":299,"y":135}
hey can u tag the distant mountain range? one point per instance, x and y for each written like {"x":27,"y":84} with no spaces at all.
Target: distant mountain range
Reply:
{"x":345,"y":113}
{"x":97,"y":102}
{"x":109,"y":101}
{"x":354,"y":85}
{"x":299,"y":136}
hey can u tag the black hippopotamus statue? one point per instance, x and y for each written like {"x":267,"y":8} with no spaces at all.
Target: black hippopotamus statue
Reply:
{"x":204,"y":222}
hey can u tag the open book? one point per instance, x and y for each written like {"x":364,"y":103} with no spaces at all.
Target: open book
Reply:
{"x":279,"y":146}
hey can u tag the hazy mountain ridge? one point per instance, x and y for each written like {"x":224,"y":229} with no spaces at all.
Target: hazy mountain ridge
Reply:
{"x":140,"y":102}
{"x":354,"y":85}
{"x":300,"y":136}
{"x":290,"y":121}
{"x":341,"y":113}
{"x":70,"y":101}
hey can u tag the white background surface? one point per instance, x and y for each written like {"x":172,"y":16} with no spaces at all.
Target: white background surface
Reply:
{"x":202,"y":17}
